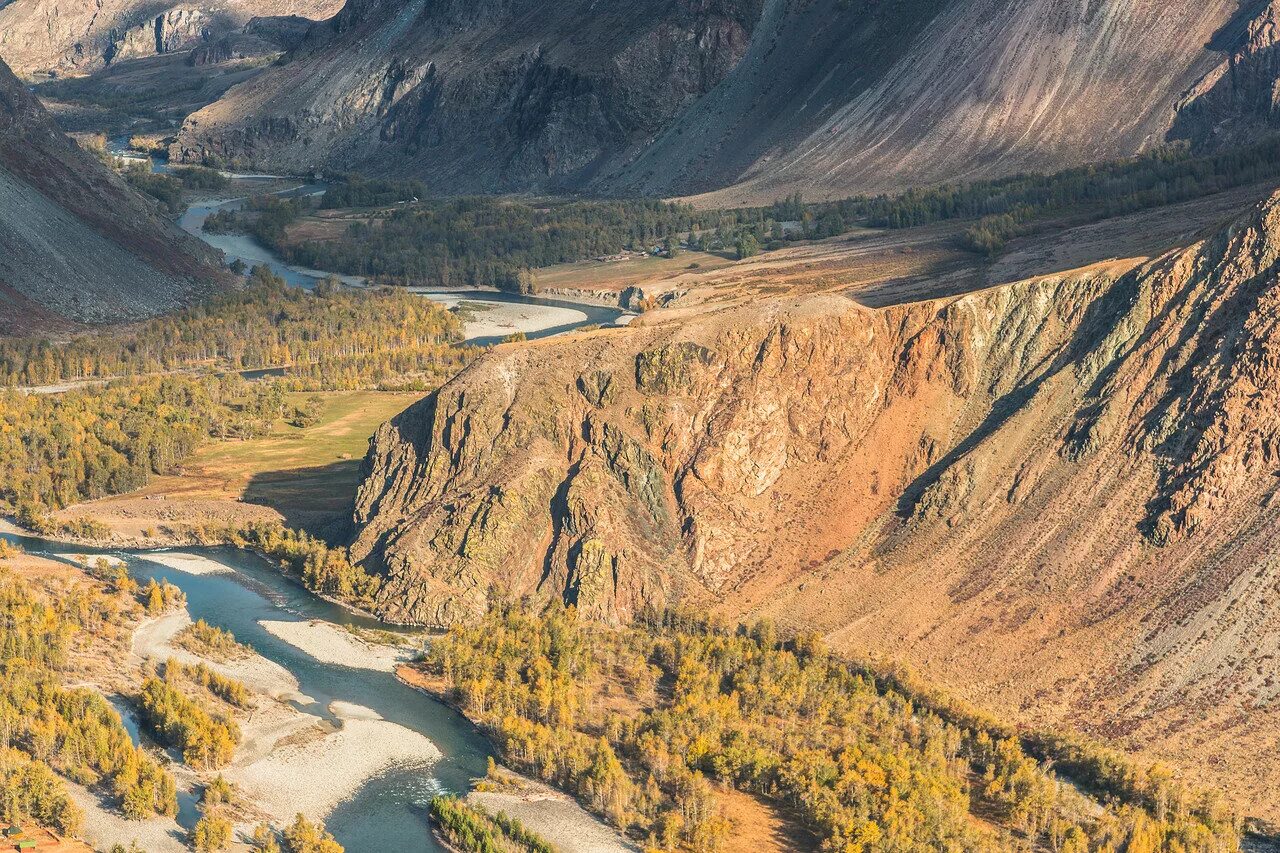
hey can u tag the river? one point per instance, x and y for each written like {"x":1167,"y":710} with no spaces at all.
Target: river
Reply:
{"x":388,"y":813}
{"x":494,"y":314}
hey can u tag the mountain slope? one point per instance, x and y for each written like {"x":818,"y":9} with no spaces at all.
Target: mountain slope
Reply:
{"x":1059,"y":496}
{"x":42,"y":35}
{"x":494,"y":94}
{"x":768,"y":96}
{"x":76,"y":244}
{"x":985,"y":88}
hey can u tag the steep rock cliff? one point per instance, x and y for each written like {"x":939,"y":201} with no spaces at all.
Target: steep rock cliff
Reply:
{"x":1240,"y":98}
{"x":1059,"y":494}
{"x":44,"y":35}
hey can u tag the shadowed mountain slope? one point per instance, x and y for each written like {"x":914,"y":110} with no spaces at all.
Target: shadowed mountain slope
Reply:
{"x":76,"y":244}
{"x":765,"y":97}
{"x":37,"y":36}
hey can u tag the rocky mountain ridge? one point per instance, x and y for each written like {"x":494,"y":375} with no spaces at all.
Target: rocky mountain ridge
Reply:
{"x":1057,"y":496}
{"x":40,"y":36}
{"x":498,"y":94}
{"x":763,"y":97}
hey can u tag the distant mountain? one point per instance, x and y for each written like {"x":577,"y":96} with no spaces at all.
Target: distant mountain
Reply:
{"x":479,"y":94}
{"x":38,"y":36}
{"x":76,"y":244}
{"x":684,"y":96}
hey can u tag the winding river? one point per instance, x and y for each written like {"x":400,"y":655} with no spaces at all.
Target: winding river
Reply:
{"x":544,"y":317}
{"x":388,"y":812}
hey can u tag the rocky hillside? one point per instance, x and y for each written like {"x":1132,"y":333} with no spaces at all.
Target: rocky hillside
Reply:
{"x":767,"y":96}
{"x":499,"y":94}
{"x":76,"y":244}
{"x":38,"y":36}
{"x":1059,"y":496}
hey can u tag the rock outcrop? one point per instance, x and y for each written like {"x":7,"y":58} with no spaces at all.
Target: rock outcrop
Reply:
{"x":492,"y":94}
{"x":76,"y":244}
{"x":1240,"y":98}
{"x":38,"y":36}
{"x":674,"y":97}
{"x":1064,"y":488}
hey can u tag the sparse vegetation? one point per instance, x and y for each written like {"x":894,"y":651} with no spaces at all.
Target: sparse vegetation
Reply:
{"x":210,"y":834}
{"x":303,"y":836}
{"x":224,"y":687}
{"x":473,"y":829}
{"x":213,"y":831}
{"x":212,"y":642}
{"x":162,"y":597}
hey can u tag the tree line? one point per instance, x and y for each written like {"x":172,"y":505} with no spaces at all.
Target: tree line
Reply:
{"x":322,"y":569}
{"x":473,"y":829}
{"x":61,"y":449}
{"x":48,"y":729}
{"x":167,"y":189}
{"x":638,"y":723}
{"x":209,"y":641}
{"x":409,"y":239}
{"x":99,"y":440}
{"x":474,"y":241}
{"x":206,"y":736}
{"x":266,"y":324}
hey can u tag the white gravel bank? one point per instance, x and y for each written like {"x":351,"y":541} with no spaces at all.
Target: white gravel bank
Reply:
{"x":191,"y":564}
{"x":317,"y":774}
{"x":332,"y":645}
{"x":103,"y":826}
{"x":556,"y":817}
{"x":153,"y":640}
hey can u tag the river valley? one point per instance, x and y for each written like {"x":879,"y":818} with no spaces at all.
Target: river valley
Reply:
{"x":242,"y":593}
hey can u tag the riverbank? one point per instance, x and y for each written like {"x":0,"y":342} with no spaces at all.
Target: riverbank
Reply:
{"x":483,"y":320}
{"x":290,"y":760}
{"x":336,"y":647}
{"x":490,"y":314}
{"x":550,"y":813}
